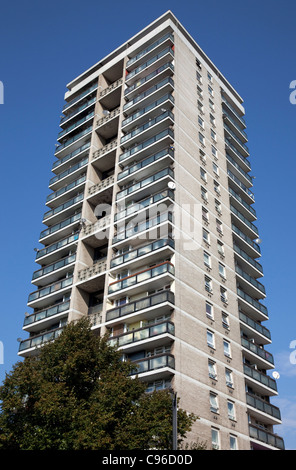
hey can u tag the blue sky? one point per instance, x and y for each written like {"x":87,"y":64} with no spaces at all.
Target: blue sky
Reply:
{"x":46,"y":45}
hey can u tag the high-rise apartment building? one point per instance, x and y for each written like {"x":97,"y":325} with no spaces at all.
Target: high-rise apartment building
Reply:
{"x":151,"y":233}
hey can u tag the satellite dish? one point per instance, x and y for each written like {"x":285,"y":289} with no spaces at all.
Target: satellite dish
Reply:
{"x":275,"y":375}
{"x":171,"y":185}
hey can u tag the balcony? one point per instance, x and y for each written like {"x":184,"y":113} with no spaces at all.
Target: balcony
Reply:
{"x":152,"y":47}
{"x":157,"y":276}
{"x":143,"y":204}
{"x":88,"y":277}
{"x":78,"y":110}
{"x":104,"y":158}
{"x":244,"y":223}
{"x":28,"y":346}
{"x":167,"y":54}
{"x":76,"y":124}
{"x":248,"y":210}
{"x":242,"y":148}
{"x":264,"y":407}
{"x":234,"y":126}
{"x":101,"y":191}
{"x":73,"y":155}
{"x":250,"y":246}
{"x":46,"y":316}
{"x":240,"y":173}
{"x":164,"y":158}
{"x":110,"y":96}
{"x":107,"y":126}
{"x":57,"y":249}
{"x":161,"y":140}
{"x":60,"y":212}
{"x":234,"y":111}
{"x":54,"y":288}
{"x":80,"y":96}
{"x":260,"y":381}
{"x":255,"y":327}
{"x":157,"y":227}
{"x":252,"y":265}
{"x":149,"y":80}
{"x":161,"y":365}
{"x":129,"y":340}
{"x":165,"y":245}
{"x":96,"y":231}
{"x":145,"y":307}
{"x":246,"y":192}
{"x":61,"y":229}
{"x":252,"y":303}
{"x":149,"y":96}
{"x":250,"y":280}
{"x":66,"y":190}
{"x":261,"y":355}
{"x":268,"y":438}
{"x":74,"y":140}
{"x":50,"y":271}
{"x":67,"y":173}
{"x":130,"y":190}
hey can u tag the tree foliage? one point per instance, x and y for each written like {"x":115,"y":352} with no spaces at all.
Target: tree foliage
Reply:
{"x":78,"y":395}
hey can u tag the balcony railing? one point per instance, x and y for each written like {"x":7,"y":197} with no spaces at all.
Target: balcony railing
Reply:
{"x":260,"y":377}
{"x":105,"y":183}
{"x":147,"y":125}
{"x":250,"y":279}
{"x":55,"y":266}
{"x":56,"y":246}
{"x":167,"y":193}
{"x":111,"y":87}
{"x":146,"y":143}
{"x":69,"y":171}
{"x":266,"y":437}
{"x":155,"y":362}
{"x":264,"y":406}
{"x":162,"y":83}
{"x":63,"y":224}
{"x":244,"y":203}
{"x":146,"y":109}
{"x":149,"y":62}
{"x":244,"y":219}
{"x":105,"y":119}
{"x":246,"y":238}
{"x":142,"y":276}
{"x":52,"y":288}
{"x":253,"y":302}
{"x":256,"y":326}
{"x":148,"y":77}
{"x":76,"y":124}
{"x":257,"y":350}
{"x":40,"y":339}
{"x":107,"y":148}
{"x":149,"y":48}
{"x":142,"y":226}
{"x":236,"y":165}
{"x":66,"y":188}
{"x":82,"y":95}
{"x":71,"y":202}
{"x":227,"y":116}
{"x":141,"y":304}
{"x":47,"y":313}
{"x":143,"y":250}
{"x":71,"y":155}
{"x":78,"y":110}
{"x":239,"y":183}
{"x":143,"y":333}
{"x":240,"y":118}
{"x":236,"y":138}
{"x":98,"y":225}
{"x":141,"y":184}
{"x":73,"y":139}
{"x":143,"y":163}
{"x":97,"y":268}
{"x":248,"y":258}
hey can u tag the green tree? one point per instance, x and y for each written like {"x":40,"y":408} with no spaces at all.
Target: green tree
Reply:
{"x":78,"y":394}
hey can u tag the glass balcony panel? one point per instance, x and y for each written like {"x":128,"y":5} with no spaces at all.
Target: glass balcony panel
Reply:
{"x":126,"y":339}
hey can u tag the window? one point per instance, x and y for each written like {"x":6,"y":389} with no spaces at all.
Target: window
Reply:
{"x":223,"y":294}
{"x":199,"y":91}
{"x":205,"y":214}
{"x":231,"y":410}
{"x":203,"y":174}
{"x":215,"y":439}
{"x":225,"y":320}
{"x":232,"y":442}
{"x":206,"y":236}
{"x":222,"y":271}
{"x":210,"y":78}
{"x":201,"y":138}
{"x":219,"y":226}
{"x":229,"y":378}
{"x":214,"y":402}
{"x":204,"y":194}
{"x":198,"y":64}
{"x":210,"y":339}
{"x":213,"y":135}
{"x":210,"y":90}
{"x":209,"y":310}
{"x":212,"y":369}
{"x":218,"y":206}
{"x":203,"y":156}
{"x":215,"y":169}
{"x":212,"y":119}
{"x":217,"y":188}
{"x":207,"y":259}
{"x":198,"y":76}
{"x":226,"y":348}
{"x":208,"y":284}
{"x":200,"y":106}
{"x":201,"y":122}
{"x":221,"y":250}
{"x":212,"y":106}
{"x":214,"y":152}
